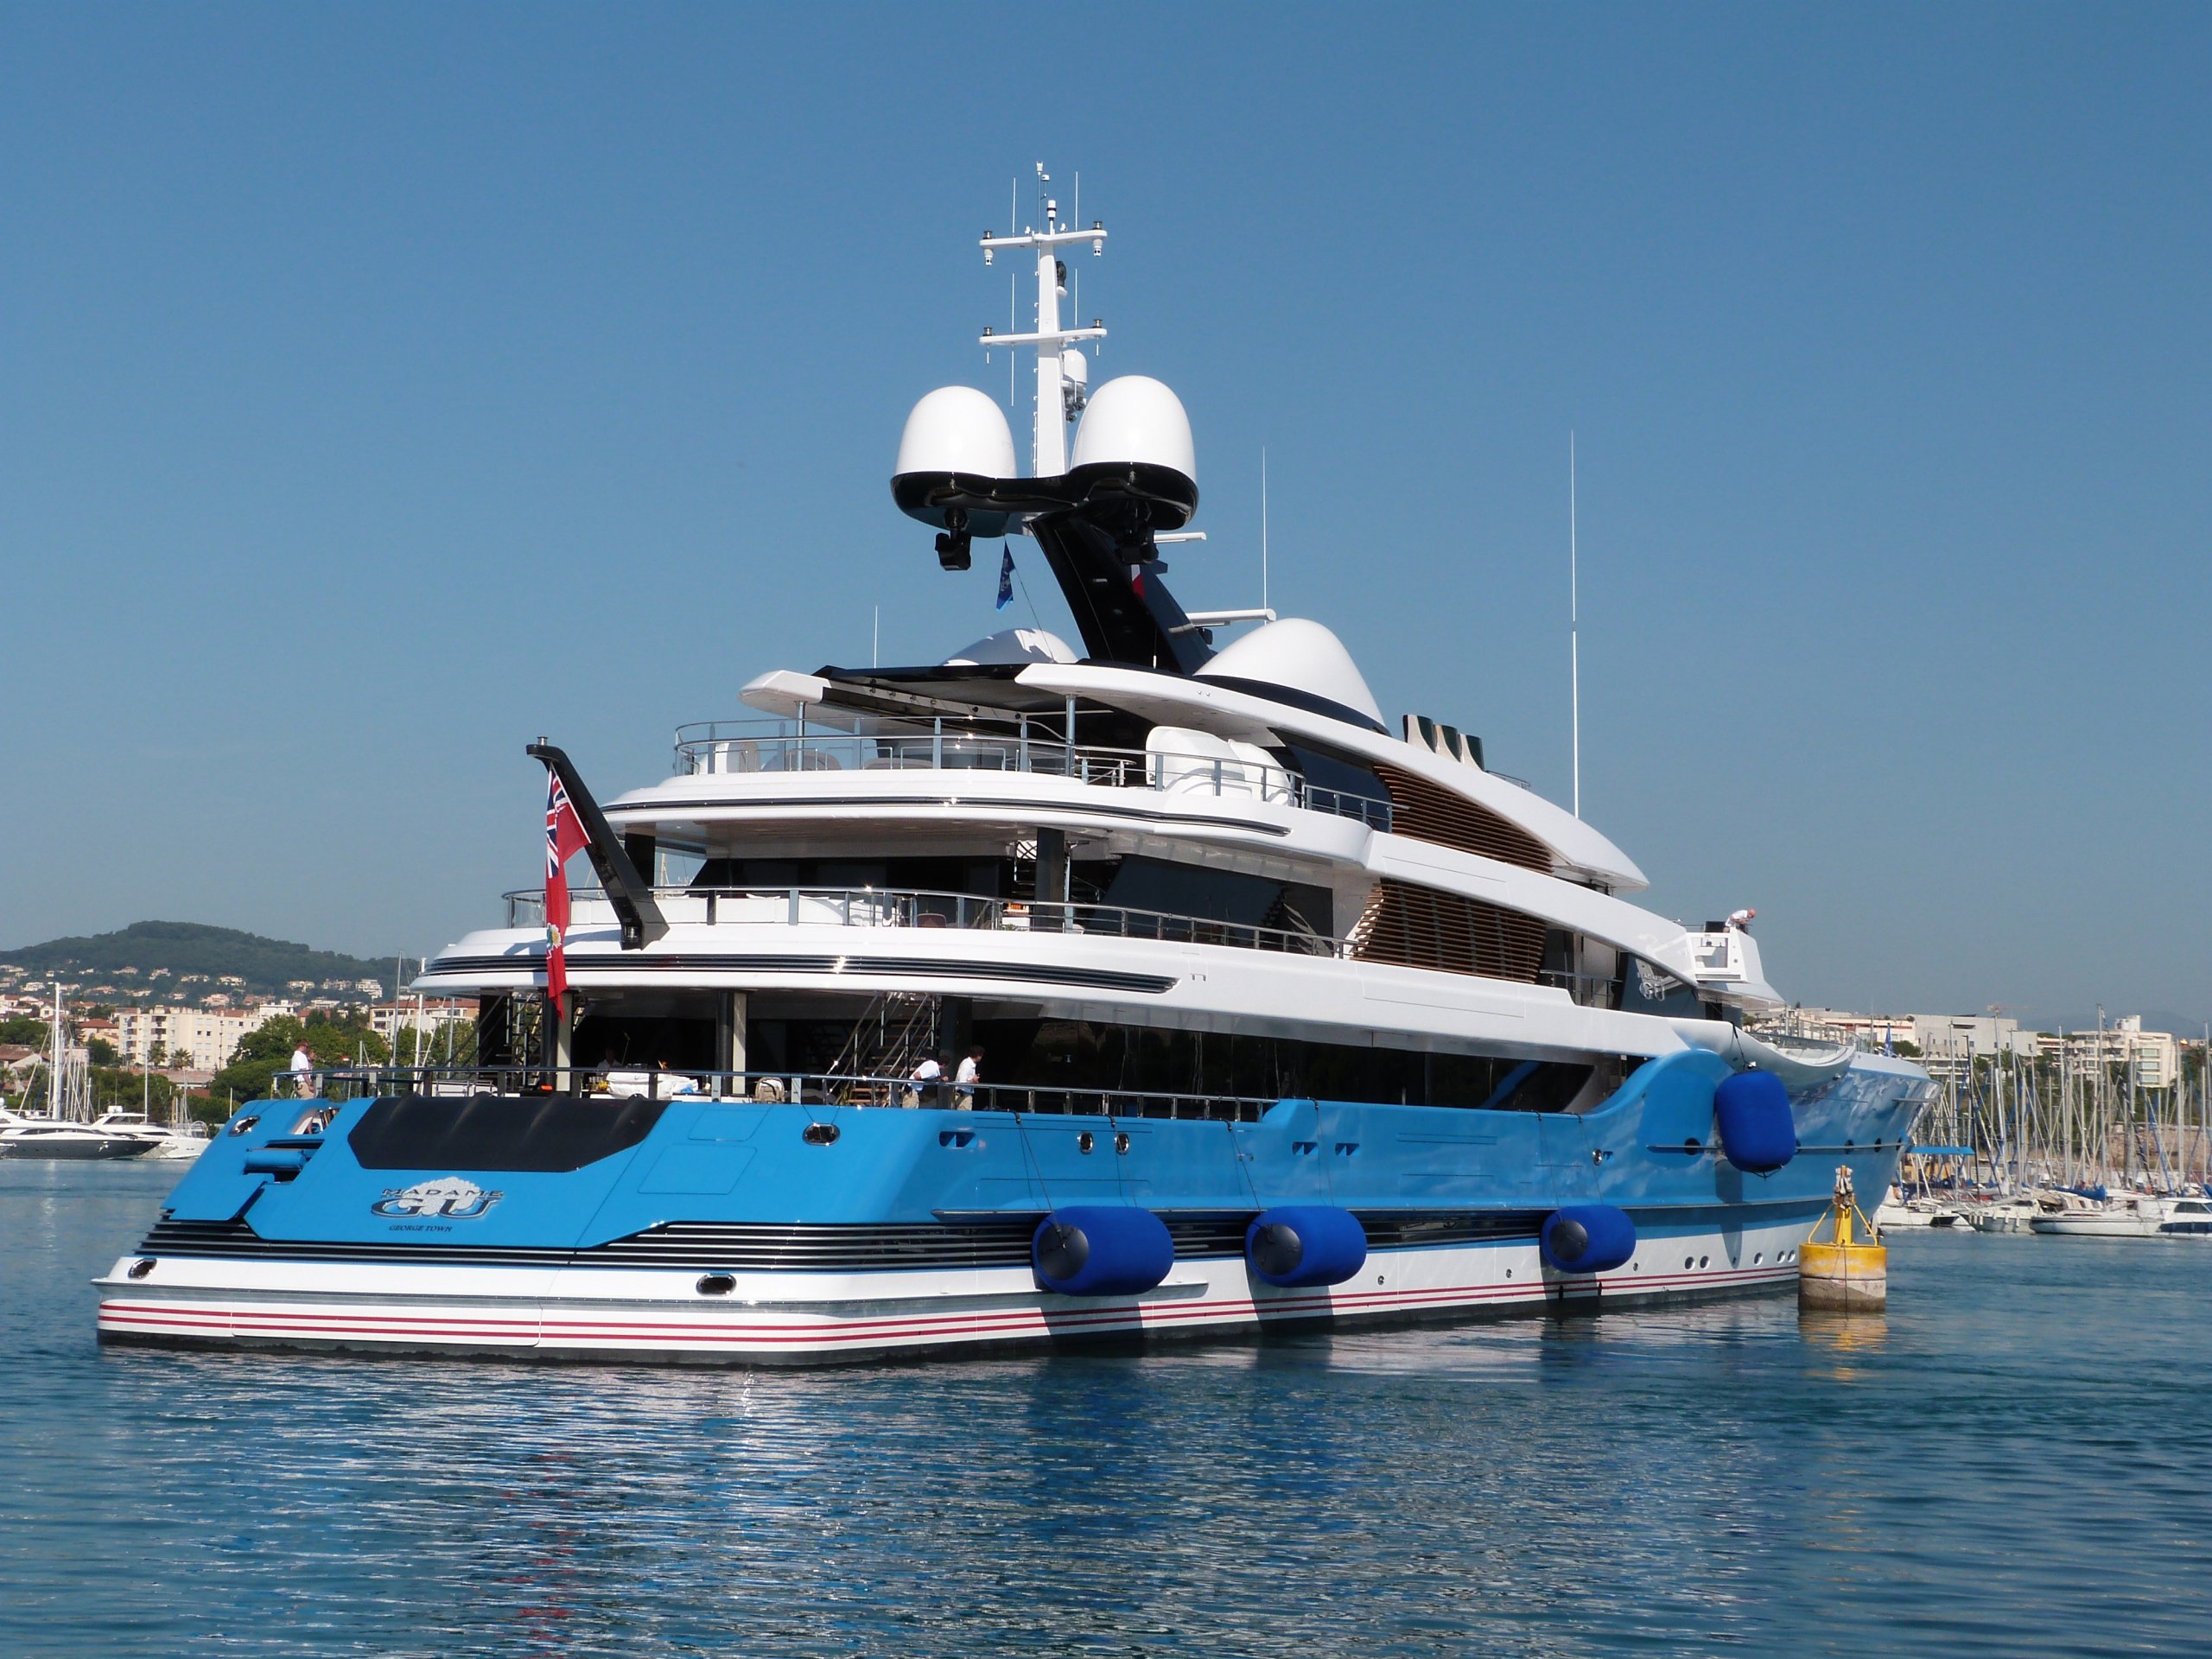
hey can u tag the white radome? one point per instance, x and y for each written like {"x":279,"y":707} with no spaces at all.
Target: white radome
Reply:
{"x":957,"y":429}
{"x":1135,"y":418}
{"x":1013,"y":646}
{"x":1298,"y":656}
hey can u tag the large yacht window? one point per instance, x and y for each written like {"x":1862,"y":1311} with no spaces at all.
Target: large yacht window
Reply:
{"x":984,"y":877}
{"x":1068,"y":1054}
{"x":1217,"y":895}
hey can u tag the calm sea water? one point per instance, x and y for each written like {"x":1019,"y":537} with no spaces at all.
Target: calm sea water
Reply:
{"x":2014,"y":1460}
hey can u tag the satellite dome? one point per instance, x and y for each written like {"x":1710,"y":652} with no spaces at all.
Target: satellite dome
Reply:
{"x":1013,"y":646}
{"x":1136,"y":419}
{"x":956,"y":429}
{"x":1297,"y":655}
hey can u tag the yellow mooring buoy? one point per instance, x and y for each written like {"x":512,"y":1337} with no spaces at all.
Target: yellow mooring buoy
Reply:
{"x":1846,"y":1272}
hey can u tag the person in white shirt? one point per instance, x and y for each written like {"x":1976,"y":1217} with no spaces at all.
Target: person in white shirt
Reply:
{"x":923,"y":1079}
{"x":302,"y":1070}
{"x":964,"y":1080}
{"x":1740,"y":920}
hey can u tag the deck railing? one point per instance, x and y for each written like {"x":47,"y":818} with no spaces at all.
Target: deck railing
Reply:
{"x":1590,"y":991}
{"x":937,"y":744}
{"x":317,"y":1092}
{"x":918,"y":907}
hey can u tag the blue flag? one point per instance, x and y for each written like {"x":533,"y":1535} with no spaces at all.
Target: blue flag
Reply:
{"x":1006,"y":577}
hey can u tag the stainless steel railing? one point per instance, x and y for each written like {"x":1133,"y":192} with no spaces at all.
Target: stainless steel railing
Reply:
{"x":707,"y":747}
{"x":335,"y":1087}
{"x":921,"y":908}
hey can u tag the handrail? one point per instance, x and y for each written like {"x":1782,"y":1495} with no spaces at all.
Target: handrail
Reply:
{"x":1590,"y":991}
{"x":708,"y":748}
{"x":337,"y":1085}
{"x":920,"y":907}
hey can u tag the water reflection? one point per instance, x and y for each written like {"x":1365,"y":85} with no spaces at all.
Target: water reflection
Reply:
{"x":1857,"y":1333}
{"x":1725,"y":1474}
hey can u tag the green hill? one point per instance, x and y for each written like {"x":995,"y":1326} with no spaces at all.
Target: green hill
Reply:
{"x":271,"y":967}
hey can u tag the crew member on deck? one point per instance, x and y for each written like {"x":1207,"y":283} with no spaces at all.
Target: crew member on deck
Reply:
{"x":924,"y":1080}
{"x":1739,"y":921}
{"x":964,"y":1080}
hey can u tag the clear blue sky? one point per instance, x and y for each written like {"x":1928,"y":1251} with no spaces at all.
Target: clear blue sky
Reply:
{"x":385,"y":386}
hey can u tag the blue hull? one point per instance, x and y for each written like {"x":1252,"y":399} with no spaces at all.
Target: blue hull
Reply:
{"x":728,"y":1230}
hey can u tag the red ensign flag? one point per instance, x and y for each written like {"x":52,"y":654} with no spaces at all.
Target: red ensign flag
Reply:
{"x":564,"y":839}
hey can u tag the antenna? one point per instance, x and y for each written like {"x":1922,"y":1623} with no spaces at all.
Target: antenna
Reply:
{"x":1573,"y":627}
{"x":1263,"y":526}
{"x":1060,"y":397}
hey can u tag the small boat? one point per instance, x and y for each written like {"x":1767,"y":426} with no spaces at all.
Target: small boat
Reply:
{"x":162,"y":1140}
{"x":2186,"y":1217}
{"x":2126,"y":1214}
{"x":1919,"y":1210}
{"x":58,"y":1138}
{"x":2010,"y":1213}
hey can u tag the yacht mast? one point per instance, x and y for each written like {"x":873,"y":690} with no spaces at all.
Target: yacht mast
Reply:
{"x":1063,"y":376}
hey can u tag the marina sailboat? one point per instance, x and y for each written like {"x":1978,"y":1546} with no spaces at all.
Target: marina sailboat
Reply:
{"x":1154,"y":985}
{"x":66,"y":1129}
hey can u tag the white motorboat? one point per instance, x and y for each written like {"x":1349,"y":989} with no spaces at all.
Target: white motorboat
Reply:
{"x":2188,"y":1216}
{"x":1920,"y":1210}
{"x":162,"y":1140}
{"x":2009,"y":1214}
{"x":58,"y":1138}
{"x":2124,"y":1215}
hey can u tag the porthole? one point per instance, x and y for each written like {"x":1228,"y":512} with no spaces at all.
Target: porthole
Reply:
{"x":142,"y":1267}
{"x":1692,"y":1144}
{"x":1702,"y":1260}
{"x":1508,"y":1273}
{"x":716,"y":1284}
{"x":1757,"y":1256}
{"x":1122,"y":1143}
{"x":819,"y":1134}
{"x":1689,"y":1262}
{"x":1085,"y":1141}
{"x":245,"y":1123}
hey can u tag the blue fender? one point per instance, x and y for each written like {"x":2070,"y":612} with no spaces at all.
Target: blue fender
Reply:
{"x":1301,"y":1244}
{"x":1759,"y":1131}
{"x":1101,"y":1250}
{"x":1588,"y":1238}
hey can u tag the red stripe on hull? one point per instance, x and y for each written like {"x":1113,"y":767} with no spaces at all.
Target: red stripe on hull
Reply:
{"x":248,"y":1321}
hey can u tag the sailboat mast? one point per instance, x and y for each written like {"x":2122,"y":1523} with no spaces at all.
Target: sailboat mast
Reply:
{"x":1573,"y":630}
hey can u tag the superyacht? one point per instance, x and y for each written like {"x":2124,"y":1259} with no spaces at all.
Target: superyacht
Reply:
{"x":1154,"y":985}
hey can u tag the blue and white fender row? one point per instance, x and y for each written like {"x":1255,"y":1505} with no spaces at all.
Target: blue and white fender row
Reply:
{"x":1121,"y":1250}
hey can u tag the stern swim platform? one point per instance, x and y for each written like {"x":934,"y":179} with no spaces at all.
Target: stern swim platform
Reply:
{"x":719,"y":1228}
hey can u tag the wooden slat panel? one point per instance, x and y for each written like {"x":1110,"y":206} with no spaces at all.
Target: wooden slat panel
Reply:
{"x":1419,"y":927}
{"x":1430,"y":812}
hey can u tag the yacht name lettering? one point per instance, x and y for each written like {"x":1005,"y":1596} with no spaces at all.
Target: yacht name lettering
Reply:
{"x":449,"y":1196}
